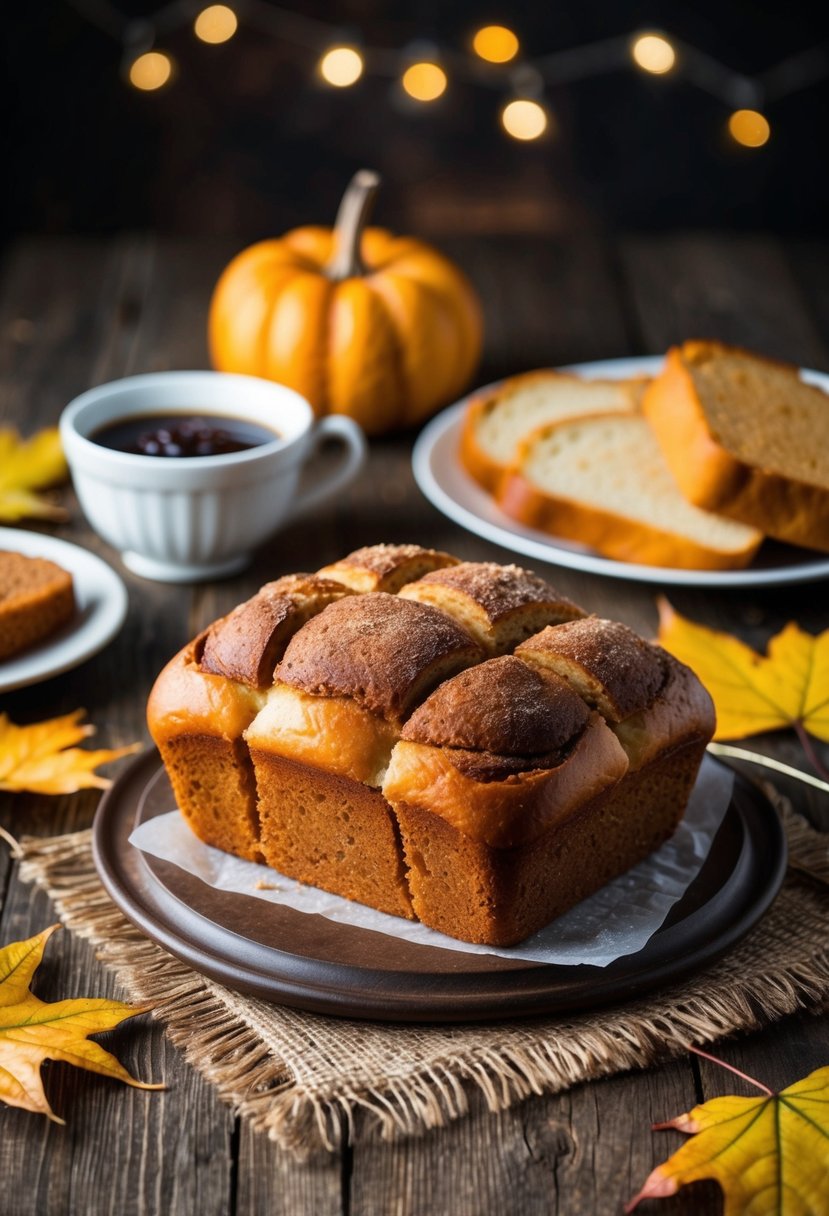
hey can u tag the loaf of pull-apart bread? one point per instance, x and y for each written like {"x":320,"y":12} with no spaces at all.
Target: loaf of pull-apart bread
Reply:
{"x":453,"y":742}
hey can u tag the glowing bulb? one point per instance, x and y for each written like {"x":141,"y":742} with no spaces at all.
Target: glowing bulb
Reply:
{"x":495,"y":43}
{"x":749,"y":128}
{"x":341,"y":66}
{"x":150,"y":71}
{"x":653,"y":53}
{"x":216,"y":23}
{"x":524,"y":119}
{"x":424,"y":81}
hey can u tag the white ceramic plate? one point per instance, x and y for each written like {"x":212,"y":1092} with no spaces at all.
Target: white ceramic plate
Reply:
{"x":445,"y":483}
{"x":101,"y":600}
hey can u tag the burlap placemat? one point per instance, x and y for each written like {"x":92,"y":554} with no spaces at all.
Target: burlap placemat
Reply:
{"x":310,"y":1080}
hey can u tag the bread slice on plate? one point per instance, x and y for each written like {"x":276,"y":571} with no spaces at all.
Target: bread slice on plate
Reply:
{"x":36,"y":599}
{"x":496,"y":421}
{"x":746,"y":437}
{"x":601,"y":480}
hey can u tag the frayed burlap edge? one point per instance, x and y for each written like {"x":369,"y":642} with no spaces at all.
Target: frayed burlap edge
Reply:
{"x":783,"y":966}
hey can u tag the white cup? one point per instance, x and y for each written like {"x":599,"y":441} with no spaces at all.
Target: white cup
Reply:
{"x":182,"y":519}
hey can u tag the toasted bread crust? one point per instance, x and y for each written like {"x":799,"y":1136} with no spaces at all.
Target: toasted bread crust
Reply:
{"x":247,"y":644}
{"x":502,"y":707}
{"x":384,"y":651}
{"x":607,"y":664}
{"x":386,"y":567}
{"x":498,"y":605}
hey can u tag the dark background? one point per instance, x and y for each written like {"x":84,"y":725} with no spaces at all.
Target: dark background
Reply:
{"x":246,"y":142}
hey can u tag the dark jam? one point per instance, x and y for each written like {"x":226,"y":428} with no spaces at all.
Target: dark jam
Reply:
{"x":182,"y":435}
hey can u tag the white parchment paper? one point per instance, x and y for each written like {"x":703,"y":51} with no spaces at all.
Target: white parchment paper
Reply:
{"x":616,"y":921}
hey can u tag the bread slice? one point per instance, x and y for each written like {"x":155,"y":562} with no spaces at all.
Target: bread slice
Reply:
{"x":602,"y":480}
{"x":746,"y":437}
{"x":36,"y":598}
{"x":497,"y":421}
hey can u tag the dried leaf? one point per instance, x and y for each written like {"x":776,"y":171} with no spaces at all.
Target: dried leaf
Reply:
{"x":754,"y":692}
{"x":41,"y":758}
{"x":32,"y":1030}
{"x":770,"y":1154}
{"x":28,"y":465}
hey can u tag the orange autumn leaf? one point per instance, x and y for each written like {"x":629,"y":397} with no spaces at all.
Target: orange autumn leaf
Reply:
{"x":32,"y":1030}
{"x":752,"y":692}
{"x":26,"y":466}
{"x":770,"y":1154}
{"x":40,"y":758}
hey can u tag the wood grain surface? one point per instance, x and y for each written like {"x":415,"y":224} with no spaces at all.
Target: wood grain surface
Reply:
{"x":76,"y":313}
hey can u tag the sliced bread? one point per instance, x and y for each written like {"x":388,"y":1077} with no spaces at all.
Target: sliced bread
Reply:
{"x":746,"y":437}
{"x":601,"y":480}
{"x":497,"y":421}
{"x":36,"y":598}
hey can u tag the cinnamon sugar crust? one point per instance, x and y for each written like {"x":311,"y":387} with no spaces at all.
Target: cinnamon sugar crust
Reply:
{"x":386,"y":652}
{"x":247,"y":644}
{"x":499,"y":590}
{"x":386,"y":567}
{"x":606,"y":663}
{"x":499,"y":605}
{"x":501,"y":707}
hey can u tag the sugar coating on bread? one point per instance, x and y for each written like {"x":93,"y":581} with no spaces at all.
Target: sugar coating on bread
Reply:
{"x":605,"y":662}
{"x":386,"y":567}
{"x":502,"y":707}
{"x":498,"y":605}
{"x":603,"y":481}
{"x":496,"y":423}
{"x":36,"y":598}
{"x":384,"y":651}
{"x":745,"y":436}
{"x":247,"y":644}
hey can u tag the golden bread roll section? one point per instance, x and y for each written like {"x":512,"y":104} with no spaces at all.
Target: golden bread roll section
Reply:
{"x":389,"y":748}
{"x":386,"y":567}
{"x":498,"y":605}
{"x":248,"y":643}
{"x":345,"y":685}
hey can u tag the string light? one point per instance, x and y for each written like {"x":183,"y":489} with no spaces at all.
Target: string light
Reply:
{"x":341,"y":66}
{"x":495,"y":43}
{"x":150,"y":71}
{"x":749,"y":128}
{"x":524,"y":119}
{"x":216,"y":23}
{"x":653,"y":53}
{"x":424,"y":81}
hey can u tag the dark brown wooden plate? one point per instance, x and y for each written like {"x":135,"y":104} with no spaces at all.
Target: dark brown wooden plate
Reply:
{"x":293,"y":958}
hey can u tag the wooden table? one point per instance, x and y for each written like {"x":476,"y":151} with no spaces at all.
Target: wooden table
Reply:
{"x":75,"y":313}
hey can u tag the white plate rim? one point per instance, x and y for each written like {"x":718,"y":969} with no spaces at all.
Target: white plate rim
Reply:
{"x":455,"y":497}
{"x":102,"y":602}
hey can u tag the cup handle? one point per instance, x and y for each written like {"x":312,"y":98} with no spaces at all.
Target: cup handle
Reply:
{"x":352,"y":460}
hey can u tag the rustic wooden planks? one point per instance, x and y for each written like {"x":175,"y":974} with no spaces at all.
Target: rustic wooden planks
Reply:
{"x":76,"y":313}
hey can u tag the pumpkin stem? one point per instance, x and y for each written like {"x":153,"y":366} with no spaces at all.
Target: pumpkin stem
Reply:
{"x":351,"y":219}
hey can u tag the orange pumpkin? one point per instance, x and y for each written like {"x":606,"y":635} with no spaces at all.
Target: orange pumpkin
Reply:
{"x":360,"y":322}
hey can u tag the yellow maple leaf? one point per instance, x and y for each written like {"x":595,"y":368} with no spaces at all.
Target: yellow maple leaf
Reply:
{"x":753,"y":692}
{"x":770,"y":1154}
{"x":32,"y":1030}
{"x":28,"y":465}
{"x":41,"y":758}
